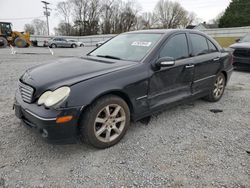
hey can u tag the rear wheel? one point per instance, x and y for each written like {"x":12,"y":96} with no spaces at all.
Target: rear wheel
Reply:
{"x":73,"y":45}
{"x":105,"y":122}
{"x":217,"y":89}
{"x":20,"y":43}
{"x":3,"y":42}
{"x":81,"y":45}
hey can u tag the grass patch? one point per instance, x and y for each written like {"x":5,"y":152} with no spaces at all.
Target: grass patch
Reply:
{"x":225,"y":41}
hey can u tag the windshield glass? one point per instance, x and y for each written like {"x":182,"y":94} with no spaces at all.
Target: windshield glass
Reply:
{"x":246,"y":38}
{"x":130,"y":47}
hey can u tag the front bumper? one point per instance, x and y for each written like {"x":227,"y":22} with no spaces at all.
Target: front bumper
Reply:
{"x":241,"y":63}
{"x":43,"y":121}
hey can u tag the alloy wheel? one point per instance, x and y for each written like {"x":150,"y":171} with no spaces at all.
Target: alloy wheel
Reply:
{"x":109,"y":123}
{"x":219,"y":86}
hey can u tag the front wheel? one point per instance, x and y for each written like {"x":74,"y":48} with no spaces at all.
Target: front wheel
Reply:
{"x":53,"y":46}
{"x":20,"y":43}
{"x":105,"y":122}
{"x":217,"y":89}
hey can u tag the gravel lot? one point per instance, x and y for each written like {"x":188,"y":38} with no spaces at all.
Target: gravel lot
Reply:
{"x":186,"y":146}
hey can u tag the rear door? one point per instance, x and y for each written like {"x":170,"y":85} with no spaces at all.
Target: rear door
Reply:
{"x":206,"y":62}
{"x":170,"y":84}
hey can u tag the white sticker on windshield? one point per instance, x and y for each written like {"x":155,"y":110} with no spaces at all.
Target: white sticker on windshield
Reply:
{"x":139,"y":43}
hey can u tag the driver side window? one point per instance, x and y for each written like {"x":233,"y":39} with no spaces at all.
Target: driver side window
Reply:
{"x":176,"y":47}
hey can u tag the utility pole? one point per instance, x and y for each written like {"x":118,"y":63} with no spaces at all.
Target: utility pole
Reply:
{"x":46,"y":13}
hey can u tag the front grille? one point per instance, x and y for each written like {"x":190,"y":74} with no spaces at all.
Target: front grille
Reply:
{"x":26,"y":92}
{"x":242,"y":53}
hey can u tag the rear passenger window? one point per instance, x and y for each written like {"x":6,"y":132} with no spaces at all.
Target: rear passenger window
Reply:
{"x":176,"y":47}
{"x":211,"y":46}
{"x":199,"y":44}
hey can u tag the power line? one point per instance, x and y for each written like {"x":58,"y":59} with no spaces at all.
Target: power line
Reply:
{"x":25,"y":18}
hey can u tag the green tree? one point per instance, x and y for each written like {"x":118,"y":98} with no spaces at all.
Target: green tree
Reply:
{"x":237,"y":14}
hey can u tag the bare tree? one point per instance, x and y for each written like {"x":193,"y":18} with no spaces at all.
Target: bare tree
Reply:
{"x":40,"y":27}
{"x":189,"y":19}
{"x":64,"y":9}
{"x":86,"y":16}
{"x":170,"y":14}
{"x":216,"y":20}
{"x":146,"y":20}
{"x":127,"y":17}
{"x":107,"y":12}
{"x":117,"y":16}
{"x":80,"y":8}
{"x":64,"y":29}
{"x":29,"y":28}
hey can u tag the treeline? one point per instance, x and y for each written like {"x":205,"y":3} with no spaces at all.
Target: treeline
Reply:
{"x":237,"y":14}
{"x":89,"y":17}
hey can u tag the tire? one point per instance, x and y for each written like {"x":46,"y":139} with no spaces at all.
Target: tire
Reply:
{"x":20,"y":43}
{"x":100,"y":127}
{"x":3,"y":42}
{"x":217,"y":89}
{"x":73,"y":45}
{"x":82,"y":45}
{"x":53,"y":45}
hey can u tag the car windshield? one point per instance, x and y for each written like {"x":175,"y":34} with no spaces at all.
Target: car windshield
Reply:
{"x":246,"y":38}
{"x":129,"y":47}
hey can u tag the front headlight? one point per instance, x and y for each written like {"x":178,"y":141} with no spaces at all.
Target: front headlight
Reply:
{"x":51,"y":98}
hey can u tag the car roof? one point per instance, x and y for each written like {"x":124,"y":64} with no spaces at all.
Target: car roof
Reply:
{"x":6,"y":22}
{"x":172,"y":31}
{"x":166,"y":31}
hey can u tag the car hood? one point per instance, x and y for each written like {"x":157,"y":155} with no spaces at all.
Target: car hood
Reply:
{"x":70,"y":71}
{"x":240,"y":45}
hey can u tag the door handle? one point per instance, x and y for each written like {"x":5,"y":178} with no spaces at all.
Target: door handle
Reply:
{"x":216,"y":59}
{"x":189,"y":66}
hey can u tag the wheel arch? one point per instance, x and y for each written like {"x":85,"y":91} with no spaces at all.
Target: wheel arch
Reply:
{"x":118,"y":93}
{"x":53,"y":44}
{"x":225,"y":74}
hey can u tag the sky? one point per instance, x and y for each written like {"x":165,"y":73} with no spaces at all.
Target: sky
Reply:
{"x":20,"y":12}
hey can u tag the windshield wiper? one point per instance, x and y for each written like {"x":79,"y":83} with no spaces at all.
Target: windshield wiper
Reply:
{"x":109,"y":56}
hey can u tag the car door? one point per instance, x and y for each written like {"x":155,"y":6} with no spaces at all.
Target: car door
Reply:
{"x":206,"y":62}
{"x":64,"y":43}
{"x":57,"y":41}
{"x":170,"y":84}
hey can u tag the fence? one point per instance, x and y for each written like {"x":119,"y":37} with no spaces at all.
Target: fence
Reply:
{"x":87,"y":40}
{"x":227,"y":32}
{"x":93,"y":39}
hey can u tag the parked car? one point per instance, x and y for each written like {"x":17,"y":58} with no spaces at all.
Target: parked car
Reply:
{"x":242,"y":53}
{"x":100,"y":43}
{"x":46,"y":42}
{"x":78,"y":43}
{"x":61,"y":42}
{"x":132,"y":76}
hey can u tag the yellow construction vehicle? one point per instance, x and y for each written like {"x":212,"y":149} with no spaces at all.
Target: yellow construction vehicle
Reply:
{"x":14,"y":38}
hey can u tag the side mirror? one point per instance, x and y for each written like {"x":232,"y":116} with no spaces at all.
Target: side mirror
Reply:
{"x":237,"y":40}
{"x":165,"y":62}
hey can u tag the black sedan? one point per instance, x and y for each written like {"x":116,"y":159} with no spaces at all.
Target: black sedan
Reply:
{"x":132,"y":76}
{"x":242,"y":53}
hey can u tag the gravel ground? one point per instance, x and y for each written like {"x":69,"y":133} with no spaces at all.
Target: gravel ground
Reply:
{"x":186,"y":146}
